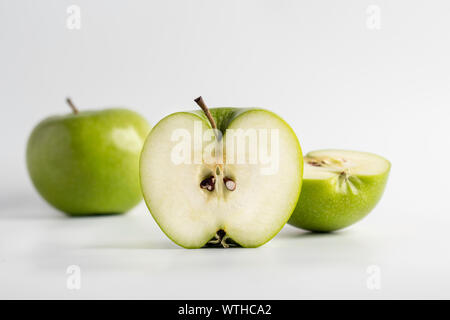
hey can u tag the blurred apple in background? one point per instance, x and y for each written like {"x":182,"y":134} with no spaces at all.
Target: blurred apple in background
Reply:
{"x":87,"y":162}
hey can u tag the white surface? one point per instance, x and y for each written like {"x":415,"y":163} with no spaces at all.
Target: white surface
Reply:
{"x":129,"y":257}
{"x":315,"y":63}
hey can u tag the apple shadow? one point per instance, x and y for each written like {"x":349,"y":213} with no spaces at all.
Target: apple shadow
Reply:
{"x":137,"y":245}
{"x":291,"y":234}
{"x":215,"y":247}
{"x":93,"y":215}
{"x":27,"y":206}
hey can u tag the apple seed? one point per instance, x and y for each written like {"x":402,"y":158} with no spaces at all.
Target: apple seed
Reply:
{"x":229,"y":184}
{"x":208,"y":183}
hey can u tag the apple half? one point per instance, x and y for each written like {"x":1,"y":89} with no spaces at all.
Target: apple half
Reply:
{"x":222,"y":201}
{"x":340,"y":187}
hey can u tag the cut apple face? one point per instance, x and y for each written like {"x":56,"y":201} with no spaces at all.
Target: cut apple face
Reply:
{"x":340,"y":187}
{"x":236,"y":185}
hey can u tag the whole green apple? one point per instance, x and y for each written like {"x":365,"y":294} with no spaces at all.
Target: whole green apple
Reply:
{"x":87,"y":163}
{"x":227,"y":176}
{"x":340,"y":187}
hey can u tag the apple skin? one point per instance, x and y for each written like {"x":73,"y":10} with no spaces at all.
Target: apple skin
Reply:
{"x":88,"y":163}
{"x":321,"y":209}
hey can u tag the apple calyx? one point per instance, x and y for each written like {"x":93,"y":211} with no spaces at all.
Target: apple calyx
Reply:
{"x":220,"y":238}
{"x":71,"y":105}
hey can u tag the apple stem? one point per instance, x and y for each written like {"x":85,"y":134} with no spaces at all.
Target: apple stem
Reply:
{"x":205,"y":109}
{"x":71,"y":105}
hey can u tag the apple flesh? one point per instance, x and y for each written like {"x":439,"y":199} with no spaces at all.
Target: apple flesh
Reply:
{"x":340,"y":187}
{"x":213,"y":203}
{"x":87,"y":162}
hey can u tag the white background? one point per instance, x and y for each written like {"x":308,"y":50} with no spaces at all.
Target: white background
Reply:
{"x":316,"y":63}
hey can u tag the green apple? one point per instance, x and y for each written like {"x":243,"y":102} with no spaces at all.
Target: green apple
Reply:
{"x":340,"y":187}
{"x":237,"y":186}
{"x":87,"y":163}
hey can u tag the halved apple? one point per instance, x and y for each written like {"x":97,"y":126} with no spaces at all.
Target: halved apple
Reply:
{"x":237,"y":186}
{"x":340,"y":187}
